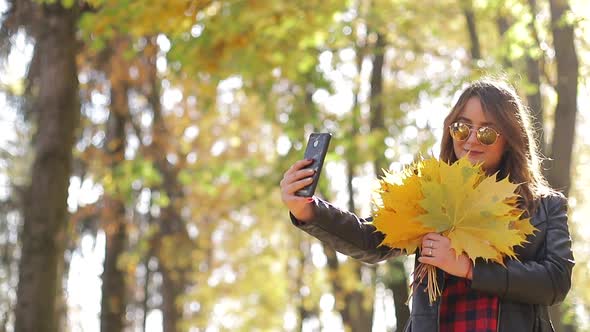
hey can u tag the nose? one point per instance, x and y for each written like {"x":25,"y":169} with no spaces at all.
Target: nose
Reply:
{"x":472,"y":139}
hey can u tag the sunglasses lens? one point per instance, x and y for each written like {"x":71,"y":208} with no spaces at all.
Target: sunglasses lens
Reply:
{"x":487,"y":136}
{"x":459,"y":131}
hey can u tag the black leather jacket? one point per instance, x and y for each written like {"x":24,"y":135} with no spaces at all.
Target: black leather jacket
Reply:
{"x":525,"y":288}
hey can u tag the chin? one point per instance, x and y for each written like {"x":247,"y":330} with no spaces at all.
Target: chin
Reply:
{"x":476,"y":159}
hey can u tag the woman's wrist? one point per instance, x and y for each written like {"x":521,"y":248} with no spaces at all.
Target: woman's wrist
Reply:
{"x":305,"y":214}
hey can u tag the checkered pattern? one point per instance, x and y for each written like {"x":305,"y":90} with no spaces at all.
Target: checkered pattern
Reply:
{"x":463,"y":309}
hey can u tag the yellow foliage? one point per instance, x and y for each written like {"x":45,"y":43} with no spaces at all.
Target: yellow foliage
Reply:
{"x":477,"y":212}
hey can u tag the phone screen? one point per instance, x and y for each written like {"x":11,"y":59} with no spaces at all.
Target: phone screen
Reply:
{"x":317,"y":147}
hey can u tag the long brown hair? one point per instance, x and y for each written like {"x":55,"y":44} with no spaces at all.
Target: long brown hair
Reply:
{"x":520,"y":161}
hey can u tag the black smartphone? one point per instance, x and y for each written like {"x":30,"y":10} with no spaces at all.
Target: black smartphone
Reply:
{"x":317,"y":147}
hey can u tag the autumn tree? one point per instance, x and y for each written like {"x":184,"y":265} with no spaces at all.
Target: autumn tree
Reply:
{"x":54,"y":91}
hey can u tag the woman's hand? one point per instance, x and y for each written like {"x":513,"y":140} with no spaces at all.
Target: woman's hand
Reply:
{"x":437,"y":251}
{"x":296,"y":178}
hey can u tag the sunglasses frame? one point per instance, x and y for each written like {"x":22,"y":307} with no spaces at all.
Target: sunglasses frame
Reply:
{"x":477,"y":132}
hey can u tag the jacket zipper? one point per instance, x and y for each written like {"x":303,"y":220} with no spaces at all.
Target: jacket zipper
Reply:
{"x":438,"y":319}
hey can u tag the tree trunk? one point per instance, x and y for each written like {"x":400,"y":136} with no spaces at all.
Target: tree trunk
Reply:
{"x":467,"y":7}
{"x":503,"y":23}
{"x":145,"y":308}
{"x":533,"y":93}
{"x":350,"y":303}
{"x":114,"y":299}
{"x":559,"y":171}
{"x":45,"y":219}
{"x":172,"y":289}
{"x":175,"y":270}
{"x":63,"y":269}
{"x":304,"y":264}
{"x":532,"y":63}
{"x":534,"y":100}
{"x":395,"y":266}
{"x":172,"y":235}
{"x":567,"y":92}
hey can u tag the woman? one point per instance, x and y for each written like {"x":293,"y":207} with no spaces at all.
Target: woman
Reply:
{"x":488,"y":124}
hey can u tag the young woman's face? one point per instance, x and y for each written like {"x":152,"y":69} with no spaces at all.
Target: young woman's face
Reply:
{"x":475,"y":118}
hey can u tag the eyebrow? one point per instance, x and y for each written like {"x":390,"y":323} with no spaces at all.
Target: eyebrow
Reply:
{"x":462,"y":118}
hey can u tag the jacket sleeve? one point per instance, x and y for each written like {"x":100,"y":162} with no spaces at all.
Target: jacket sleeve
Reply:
{"x":346,"y":233}
{"x":546,"y":281}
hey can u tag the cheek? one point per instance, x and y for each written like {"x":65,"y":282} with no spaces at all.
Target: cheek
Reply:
{"x":499,"y":151}
{"x":457,"y":148}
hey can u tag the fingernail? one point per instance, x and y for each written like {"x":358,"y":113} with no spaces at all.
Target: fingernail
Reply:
{"x":309,"y":199}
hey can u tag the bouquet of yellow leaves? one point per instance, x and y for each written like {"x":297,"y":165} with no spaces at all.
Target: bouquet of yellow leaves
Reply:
{"x":477,"y":213}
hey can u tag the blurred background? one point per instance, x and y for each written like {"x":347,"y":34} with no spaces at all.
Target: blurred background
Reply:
{"x":142,"y":143}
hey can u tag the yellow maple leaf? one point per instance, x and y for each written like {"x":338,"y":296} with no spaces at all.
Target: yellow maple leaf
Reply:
{"x":477,"y":212}
{"x":523,"y":226}
{"x":429,"y":170}
{"x":397,"y":211}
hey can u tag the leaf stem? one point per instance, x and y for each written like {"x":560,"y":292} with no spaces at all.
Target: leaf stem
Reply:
{"x":429,"y":272}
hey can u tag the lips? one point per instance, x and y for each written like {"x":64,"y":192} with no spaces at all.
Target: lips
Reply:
{"x":473,"y":153}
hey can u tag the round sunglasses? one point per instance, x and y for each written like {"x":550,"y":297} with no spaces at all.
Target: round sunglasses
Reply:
{"x":461,"y":131}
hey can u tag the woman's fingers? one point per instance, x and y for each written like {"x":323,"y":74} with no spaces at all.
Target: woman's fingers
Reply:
{"x":426,"y":243}
{"x":436,"y":251}
{"x":294,"y":186}
{"x":435,"y":246}
{"x":456,"y":265}
{"x":304,"y":173}
{"x":298,"y":165}
{"x":296,"y":178}
{"x":428,"y":260}
{"x":433,"y":237}
{"x":435,"y":240}
{"x":295,"y":172}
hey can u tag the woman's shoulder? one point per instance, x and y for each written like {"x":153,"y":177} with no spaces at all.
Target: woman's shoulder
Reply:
{"x":552,"y":194}
{"x":553,"y":200}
